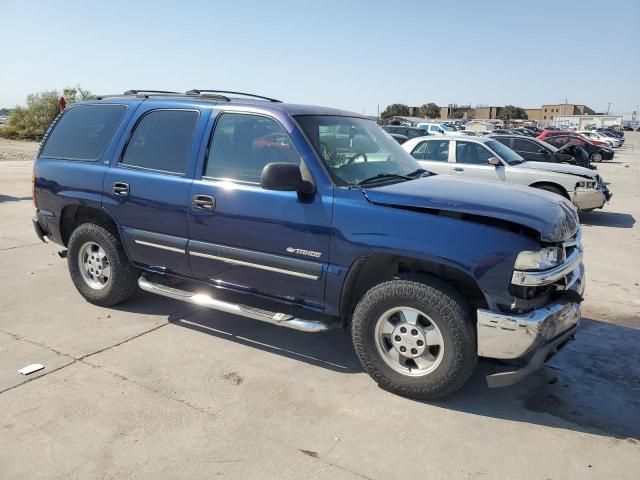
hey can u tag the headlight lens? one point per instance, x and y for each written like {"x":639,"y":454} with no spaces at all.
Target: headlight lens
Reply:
{"x":544,"y":259}
{"x":587,"y":184}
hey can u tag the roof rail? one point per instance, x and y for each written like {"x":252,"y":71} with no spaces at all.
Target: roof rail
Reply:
{"x":138,"y":92}
{"x":196,"y":91}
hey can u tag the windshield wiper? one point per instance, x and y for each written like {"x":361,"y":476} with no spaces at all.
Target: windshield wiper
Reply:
{"x":381,"y":176}
{"x":417,"y":173}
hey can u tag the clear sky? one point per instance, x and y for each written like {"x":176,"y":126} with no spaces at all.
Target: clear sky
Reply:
{"x":352,"y":54}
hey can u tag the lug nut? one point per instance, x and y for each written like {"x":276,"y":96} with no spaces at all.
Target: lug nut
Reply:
{"x":420,"y":343}
{"x":414,"y":332}
{"x":397,"y":338}
{"x":414,"y":351}
{"x":403,"y":349}
{"x":403,"y":330}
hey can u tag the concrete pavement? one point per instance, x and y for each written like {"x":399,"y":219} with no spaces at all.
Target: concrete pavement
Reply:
{"x":157,"y":389}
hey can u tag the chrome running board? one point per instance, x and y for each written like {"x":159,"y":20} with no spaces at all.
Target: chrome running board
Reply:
{"x":204,"y":300}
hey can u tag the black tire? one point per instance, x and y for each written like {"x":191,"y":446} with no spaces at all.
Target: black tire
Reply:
{"x":122,"y":282}
{"x":552,"y":189}
{"x":596,"y":157}
{"x":446,"y":308}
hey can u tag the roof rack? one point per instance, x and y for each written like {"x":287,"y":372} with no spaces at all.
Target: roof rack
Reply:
{"x":196,"y":91}
{"x":139,"y":92}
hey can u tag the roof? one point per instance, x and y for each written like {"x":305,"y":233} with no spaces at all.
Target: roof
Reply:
{"x":465,"y":138}
{"x":208,"y":100}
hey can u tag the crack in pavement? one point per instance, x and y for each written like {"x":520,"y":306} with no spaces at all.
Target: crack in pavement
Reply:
{"x":20,"y":246}
{"x":81,"y":359}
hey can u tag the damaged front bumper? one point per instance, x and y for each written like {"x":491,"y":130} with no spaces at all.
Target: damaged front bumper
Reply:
{"x":533,"y":336}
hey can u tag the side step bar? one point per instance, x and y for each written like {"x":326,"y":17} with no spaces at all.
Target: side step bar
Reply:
{"x":204,"y":300}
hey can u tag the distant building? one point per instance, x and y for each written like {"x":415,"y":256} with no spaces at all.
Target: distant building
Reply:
{"x":551,"y":111}
{"x":533,"y":114}
{"x":487,"y":113}
{"x":454,"y":111}
{"x":582,"y":122}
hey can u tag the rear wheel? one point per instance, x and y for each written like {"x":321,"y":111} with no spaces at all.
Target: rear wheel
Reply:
{"x":415,"y":337}
{"x":99,"y":266}
{"x":596,"y":157}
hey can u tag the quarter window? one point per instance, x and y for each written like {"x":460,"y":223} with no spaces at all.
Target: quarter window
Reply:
{"x":161,"y":141}
{"x":242,"y":145}
{"x":83,"y":132}
{"x":472,"y":153}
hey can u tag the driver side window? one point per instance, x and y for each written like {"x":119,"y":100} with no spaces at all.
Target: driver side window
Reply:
{"x":242,"y":145}
{"x":472,"y":153}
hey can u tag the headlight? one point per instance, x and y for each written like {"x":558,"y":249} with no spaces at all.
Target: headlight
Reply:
{"x":587,"y":184}
{"x":544,"y":259}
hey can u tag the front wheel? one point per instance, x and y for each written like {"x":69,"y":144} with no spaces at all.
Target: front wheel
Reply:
{"x":596,"y":157}
{"x":99,"y":266}
{"x":415,"y":337}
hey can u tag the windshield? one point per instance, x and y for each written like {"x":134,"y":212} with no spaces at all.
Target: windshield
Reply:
{"x":549,"y":146}
{"x":447,"y":128}
{"x":508,"y":155}
{"x":355,"y":149}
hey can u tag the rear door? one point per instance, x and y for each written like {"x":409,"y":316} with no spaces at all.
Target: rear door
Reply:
{"x":433,"y":155}
{"x":273,"y":243}
{"x":147,"y":187}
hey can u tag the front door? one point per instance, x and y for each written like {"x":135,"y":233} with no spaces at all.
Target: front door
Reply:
{"x":472,"y":161}
{"x":269,"y":242}
{"x":147,"y":189}
{"x":530,"y":150}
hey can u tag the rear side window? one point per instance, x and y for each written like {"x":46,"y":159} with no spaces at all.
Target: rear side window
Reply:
{"x":83,"y":132}
{"x":161,"y":141}
{"x":437,"y":151}
{"x":524,"y":146}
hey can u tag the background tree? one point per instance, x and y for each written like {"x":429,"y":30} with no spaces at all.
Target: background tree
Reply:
{"x":511,"y":112}
{"x":395,"y":110}
{"x":430,"y":110}
{"x":33,"y":120}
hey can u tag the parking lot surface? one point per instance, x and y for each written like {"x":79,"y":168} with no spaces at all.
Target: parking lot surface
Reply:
{"x":157,"y":389}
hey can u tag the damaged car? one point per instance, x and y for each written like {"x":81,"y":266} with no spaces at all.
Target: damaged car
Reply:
{"x":311,"y":218}
{"x":485,"y":158}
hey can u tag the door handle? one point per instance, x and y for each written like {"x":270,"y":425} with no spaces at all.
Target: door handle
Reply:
{"x":120,"y":188}
{"x":204,"y":202}
{"x":458,"y":169}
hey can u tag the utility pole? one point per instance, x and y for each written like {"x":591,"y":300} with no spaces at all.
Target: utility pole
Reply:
{"x":608,"y":108}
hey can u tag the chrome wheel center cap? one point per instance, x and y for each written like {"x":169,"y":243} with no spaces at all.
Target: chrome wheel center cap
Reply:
{"x":409,"y":340}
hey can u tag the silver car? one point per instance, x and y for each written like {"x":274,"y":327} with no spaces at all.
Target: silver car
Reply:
{"x":486,"y":159}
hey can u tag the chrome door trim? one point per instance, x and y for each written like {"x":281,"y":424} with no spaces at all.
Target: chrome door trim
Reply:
{"x":253,"y":265}
{"x":161,"y":247}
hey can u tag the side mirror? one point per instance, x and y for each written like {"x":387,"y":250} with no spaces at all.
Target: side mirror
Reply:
{"x":284,"y":177}
{"x":495,"y":161}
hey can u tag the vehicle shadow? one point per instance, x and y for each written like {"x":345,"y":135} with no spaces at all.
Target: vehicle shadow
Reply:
{"x":607,"y":219}
{"x":9,"y":198}
{"x":592,"y":386}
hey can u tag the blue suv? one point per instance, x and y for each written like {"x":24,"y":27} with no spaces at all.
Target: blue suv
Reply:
{"x":309,"y":218}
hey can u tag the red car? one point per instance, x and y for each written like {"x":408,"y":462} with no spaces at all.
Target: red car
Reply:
{"x":554,"y":133}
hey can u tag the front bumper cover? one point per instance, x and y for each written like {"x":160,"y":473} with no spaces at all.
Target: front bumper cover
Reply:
{"x":535,"y":335}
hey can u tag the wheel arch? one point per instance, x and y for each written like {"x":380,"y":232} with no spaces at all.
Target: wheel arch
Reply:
{"x":370,"y":270}
{"x":557,"y":186}
{"x":74,"y":215}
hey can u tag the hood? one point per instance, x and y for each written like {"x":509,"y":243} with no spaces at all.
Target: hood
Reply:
{"x":555,"y":219}
{"x":560,"y":168}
